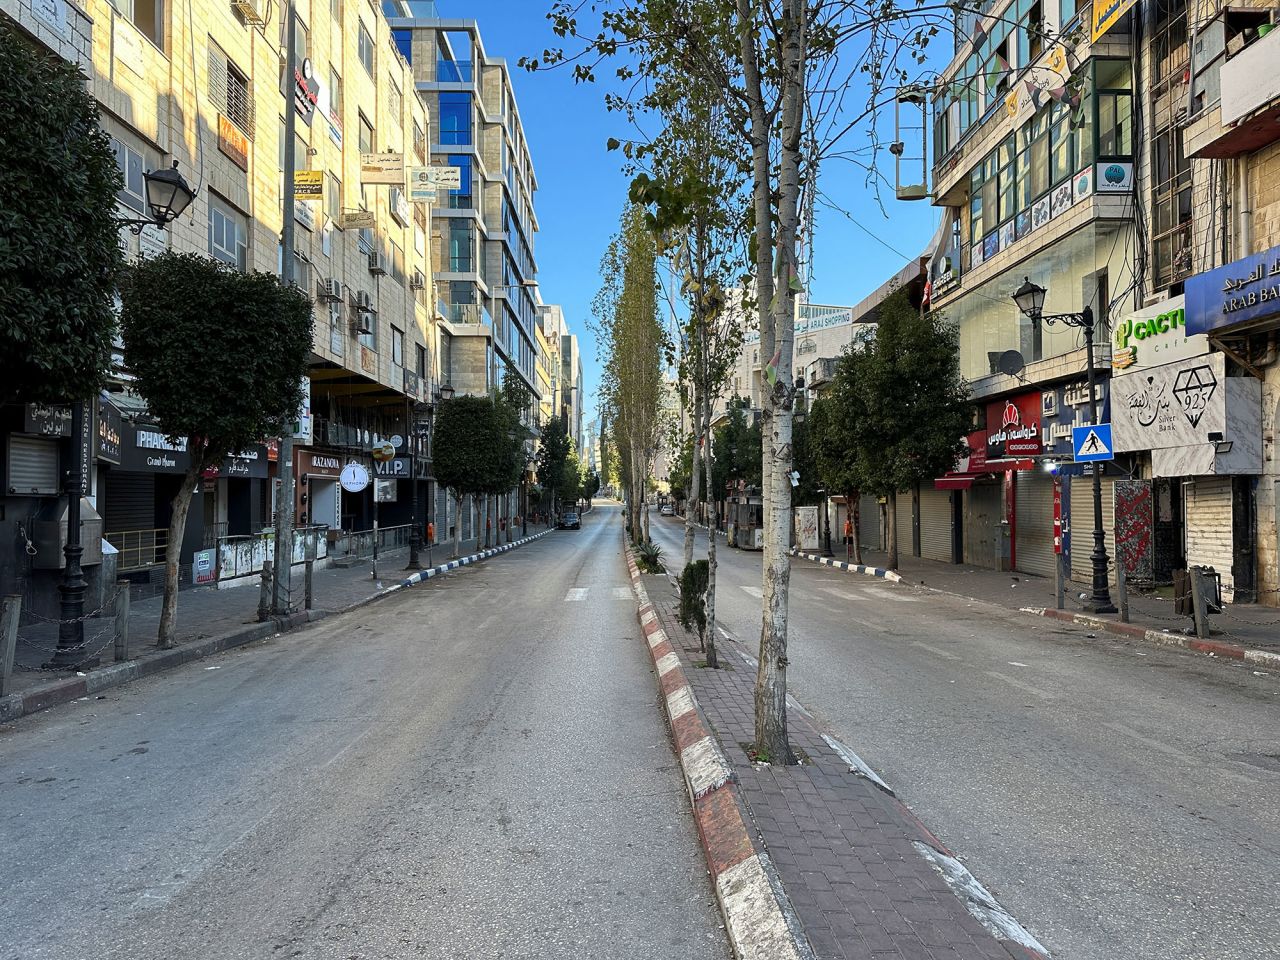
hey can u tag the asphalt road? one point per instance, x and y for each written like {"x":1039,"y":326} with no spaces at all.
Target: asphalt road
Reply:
{"x":1121,"y":801}
{"x":476,"y":767}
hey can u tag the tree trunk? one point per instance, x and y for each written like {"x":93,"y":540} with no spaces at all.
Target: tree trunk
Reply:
{"x":853,"y":509}
{"x":173,"y":552}
{"x":771,"y":677}
{"x":691,"y":509}
{"x":893,"y":530}
{"x":713,"y":659}
{"x":457,"y":526}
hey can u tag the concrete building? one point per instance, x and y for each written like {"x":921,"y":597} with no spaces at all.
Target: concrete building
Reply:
{"x":483,"y":229}
{"x":201,"y":85}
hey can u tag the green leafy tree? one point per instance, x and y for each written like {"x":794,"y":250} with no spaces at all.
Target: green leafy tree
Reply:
{"x":590,"y":486}
{"x":219,"y":356}
{"x":902,"y":404}
{"x":60,"y":256}
{"x":831,"y":449}
{"x":553,"y":455}
{"x":471,"y":449}
{"x":571,"y":491}
{"x":513,"y":401}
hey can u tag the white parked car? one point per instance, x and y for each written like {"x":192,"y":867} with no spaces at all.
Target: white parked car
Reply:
{"x":667,"y":510}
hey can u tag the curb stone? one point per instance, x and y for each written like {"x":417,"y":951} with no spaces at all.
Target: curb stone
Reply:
{"x":757,"y":916}
{"x":67,"y":689}
{"x":880,"y":572}
{"x":1213,"y":648}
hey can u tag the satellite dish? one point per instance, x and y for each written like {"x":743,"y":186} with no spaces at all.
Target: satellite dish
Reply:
{"x":1011,"y":363}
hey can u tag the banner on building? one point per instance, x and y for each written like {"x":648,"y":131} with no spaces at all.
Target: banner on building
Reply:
{"x":308,"y":185}
{"x":382,"y":168}
{"x":1106,"y":13}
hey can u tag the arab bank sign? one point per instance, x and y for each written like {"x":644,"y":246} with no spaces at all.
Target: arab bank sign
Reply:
{"x":1245,"y":291}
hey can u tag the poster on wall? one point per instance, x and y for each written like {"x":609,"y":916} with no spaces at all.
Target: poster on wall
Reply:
{"x":1134,"y":529}
{"x":807,"y":527}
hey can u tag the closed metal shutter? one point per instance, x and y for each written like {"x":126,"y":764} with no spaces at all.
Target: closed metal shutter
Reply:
{"x":1033,"y":549}
{"x":130,"y":502}
{"x":905,"y":538}
{"x":1082,"y":526}
{"x":983,"y":511}
{"x":33,"y":467}
{"x":936,"y":528}
{"x":869,"y":523}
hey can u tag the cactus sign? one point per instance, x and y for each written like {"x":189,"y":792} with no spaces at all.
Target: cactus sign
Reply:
{"x":1155,"y":335}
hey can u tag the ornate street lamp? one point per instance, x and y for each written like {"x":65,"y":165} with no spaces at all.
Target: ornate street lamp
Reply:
{"x":1030,"y":300}
{"x":168,"y":196}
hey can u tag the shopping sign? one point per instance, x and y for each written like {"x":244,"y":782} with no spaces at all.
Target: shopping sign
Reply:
{"x":1013,"y":427}
{"x":1155,"y":335}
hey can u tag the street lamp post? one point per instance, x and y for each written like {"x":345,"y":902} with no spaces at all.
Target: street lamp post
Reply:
{"x":1030,"y":300}
{"x":168,"y":196}
{"x":418,"y":429}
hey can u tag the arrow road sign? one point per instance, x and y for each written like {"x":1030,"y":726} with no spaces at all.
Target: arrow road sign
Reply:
{"x":1092,"y":443}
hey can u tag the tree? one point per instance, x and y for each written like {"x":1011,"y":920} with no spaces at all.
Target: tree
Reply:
{"x":471,"y":450}
{"x":513,"y":401}
{"x":572,"y":489}
{"x":834,"y":455}
{"x":902,"y":405}
{"x":219,"y":356}
{"x":60,"y":256}
{"x":590,"y":486}
{"x":631,"y":390}
{"x":553,"y":454}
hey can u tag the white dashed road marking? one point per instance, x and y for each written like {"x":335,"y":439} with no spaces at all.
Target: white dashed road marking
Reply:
{"x":622,"y":593}
{"x":936,"y":651}
{"x":1013,"y":682}
{"x":576,"y":593}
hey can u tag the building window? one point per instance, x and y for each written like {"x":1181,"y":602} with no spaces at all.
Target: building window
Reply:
{"x":301,"y":41}
{"x":133,"y":193}
{"x":366,"y":135}
{"x":1112,"y":84}
{"x":335,"y":11}
{"x":397,"y":346}
{"x":460,"y":199}
{"x":230,"y":90}
{"x":228,"y":233}
{"x":364,"y":48}
{"x":455,"y":118}
{"x":403,"y":40}
{"x":395,"y":104}
{"x":333,"y":197}
{"x":419,"y":142}
{"x":1062,"y":156}
{"x":420,"y":366}
{"x":147,"y":15}
{"x":335,"y":94}
{"x":461,"y":241}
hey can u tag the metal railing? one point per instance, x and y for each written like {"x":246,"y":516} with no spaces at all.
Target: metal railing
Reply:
{"x":359,"y":543}
{"x":139,"y":549}
{"x":243,"y":556}
{"x":213,"y":532}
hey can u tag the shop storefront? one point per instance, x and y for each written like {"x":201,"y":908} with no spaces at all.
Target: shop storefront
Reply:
{"x":137,"y":499}
{"x":235,"y":495}
{"x":318,"y":496}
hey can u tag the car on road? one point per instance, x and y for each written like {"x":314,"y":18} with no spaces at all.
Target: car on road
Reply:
{"x":570,"y":521}
{"x":667,"y":510}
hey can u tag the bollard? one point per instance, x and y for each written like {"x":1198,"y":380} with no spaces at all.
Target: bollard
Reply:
{"x":122,"y":621}
{"x":1059,"y":581}
{"x":10,"y":611}
{"x":264,"y":593}
{"x":1198,"y":604}
{"x":307,"y":572}
{"x":1122,"y":589}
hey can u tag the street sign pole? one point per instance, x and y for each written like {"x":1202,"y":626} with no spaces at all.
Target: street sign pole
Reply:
{"x":284,"y":459}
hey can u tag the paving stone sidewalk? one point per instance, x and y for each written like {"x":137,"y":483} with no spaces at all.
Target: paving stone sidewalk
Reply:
{"x":844,"y":849}
{"x":1249,"y":624}
{"x":209,"y":612}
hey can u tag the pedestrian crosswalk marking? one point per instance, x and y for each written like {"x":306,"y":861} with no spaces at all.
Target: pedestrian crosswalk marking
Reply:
{"x":622,"y":593}
{"x":575,"y":593}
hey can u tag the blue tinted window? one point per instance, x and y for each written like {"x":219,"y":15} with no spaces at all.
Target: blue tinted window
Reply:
{"x":404,"y":43}
{"x":455,"y":118}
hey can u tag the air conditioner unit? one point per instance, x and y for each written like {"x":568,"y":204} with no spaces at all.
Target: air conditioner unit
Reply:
{"x":362,"y":301}
{"x":363,"y":322}
{"x":330,"y":290}
{"x":417,"y":281}
{"x":377,"y":263}
{"x":249,"y":12}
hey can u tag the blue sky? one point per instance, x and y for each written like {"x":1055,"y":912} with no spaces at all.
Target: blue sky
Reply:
{"x":582,"y":191}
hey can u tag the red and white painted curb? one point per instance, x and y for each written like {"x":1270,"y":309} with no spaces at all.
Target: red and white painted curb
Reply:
{"x":753,"y":908}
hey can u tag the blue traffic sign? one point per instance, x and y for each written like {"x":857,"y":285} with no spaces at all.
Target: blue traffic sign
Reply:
{"x":1092,"y":443}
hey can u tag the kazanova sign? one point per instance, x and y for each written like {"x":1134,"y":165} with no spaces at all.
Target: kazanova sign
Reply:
{"x":1156,"y":335}
{"x":1248,"y":289}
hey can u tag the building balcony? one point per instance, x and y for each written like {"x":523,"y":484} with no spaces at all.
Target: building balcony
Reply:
{"x":1247,"y":117}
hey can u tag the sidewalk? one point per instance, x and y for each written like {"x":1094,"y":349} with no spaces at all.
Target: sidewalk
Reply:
{"x":209,"y":620}
{"x":863,"y":877}
{"x":1249,"y":625}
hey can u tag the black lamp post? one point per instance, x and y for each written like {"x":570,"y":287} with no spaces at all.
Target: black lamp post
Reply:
{"x":419,"y":429}
{"x":168,"y":196}
{"x":1030,"y":300}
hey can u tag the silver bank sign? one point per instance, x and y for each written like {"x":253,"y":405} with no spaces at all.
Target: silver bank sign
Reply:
{"x":1155,"y":335}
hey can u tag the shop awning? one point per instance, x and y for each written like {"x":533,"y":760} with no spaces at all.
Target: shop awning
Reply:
{"x":953,"y":483}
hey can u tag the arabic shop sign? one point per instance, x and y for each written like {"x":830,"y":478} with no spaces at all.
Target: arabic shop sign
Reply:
{"x":1013,"y":427}
{"x":1064,"y":407}
{"x":1176,"y":405}
{"x":1240,"y":292}
{"x":1156,"y":335}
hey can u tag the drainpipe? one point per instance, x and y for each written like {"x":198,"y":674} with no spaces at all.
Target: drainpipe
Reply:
{"x":1244,"y":208}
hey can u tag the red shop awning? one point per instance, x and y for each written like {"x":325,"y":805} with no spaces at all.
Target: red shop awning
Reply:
{"x":953,"y":483}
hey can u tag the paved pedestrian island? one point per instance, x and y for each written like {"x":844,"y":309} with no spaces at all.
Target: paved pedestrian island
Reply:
{"x":864,"y":877}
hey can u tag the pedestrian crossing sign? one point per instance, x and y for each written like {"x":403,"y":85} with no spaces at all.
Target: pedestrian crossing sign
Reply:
{"x":1092,"y":442}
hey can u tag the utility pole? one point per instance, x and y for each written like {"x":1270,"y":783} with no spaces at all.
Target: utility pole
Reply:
{"x":284,"y":459}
